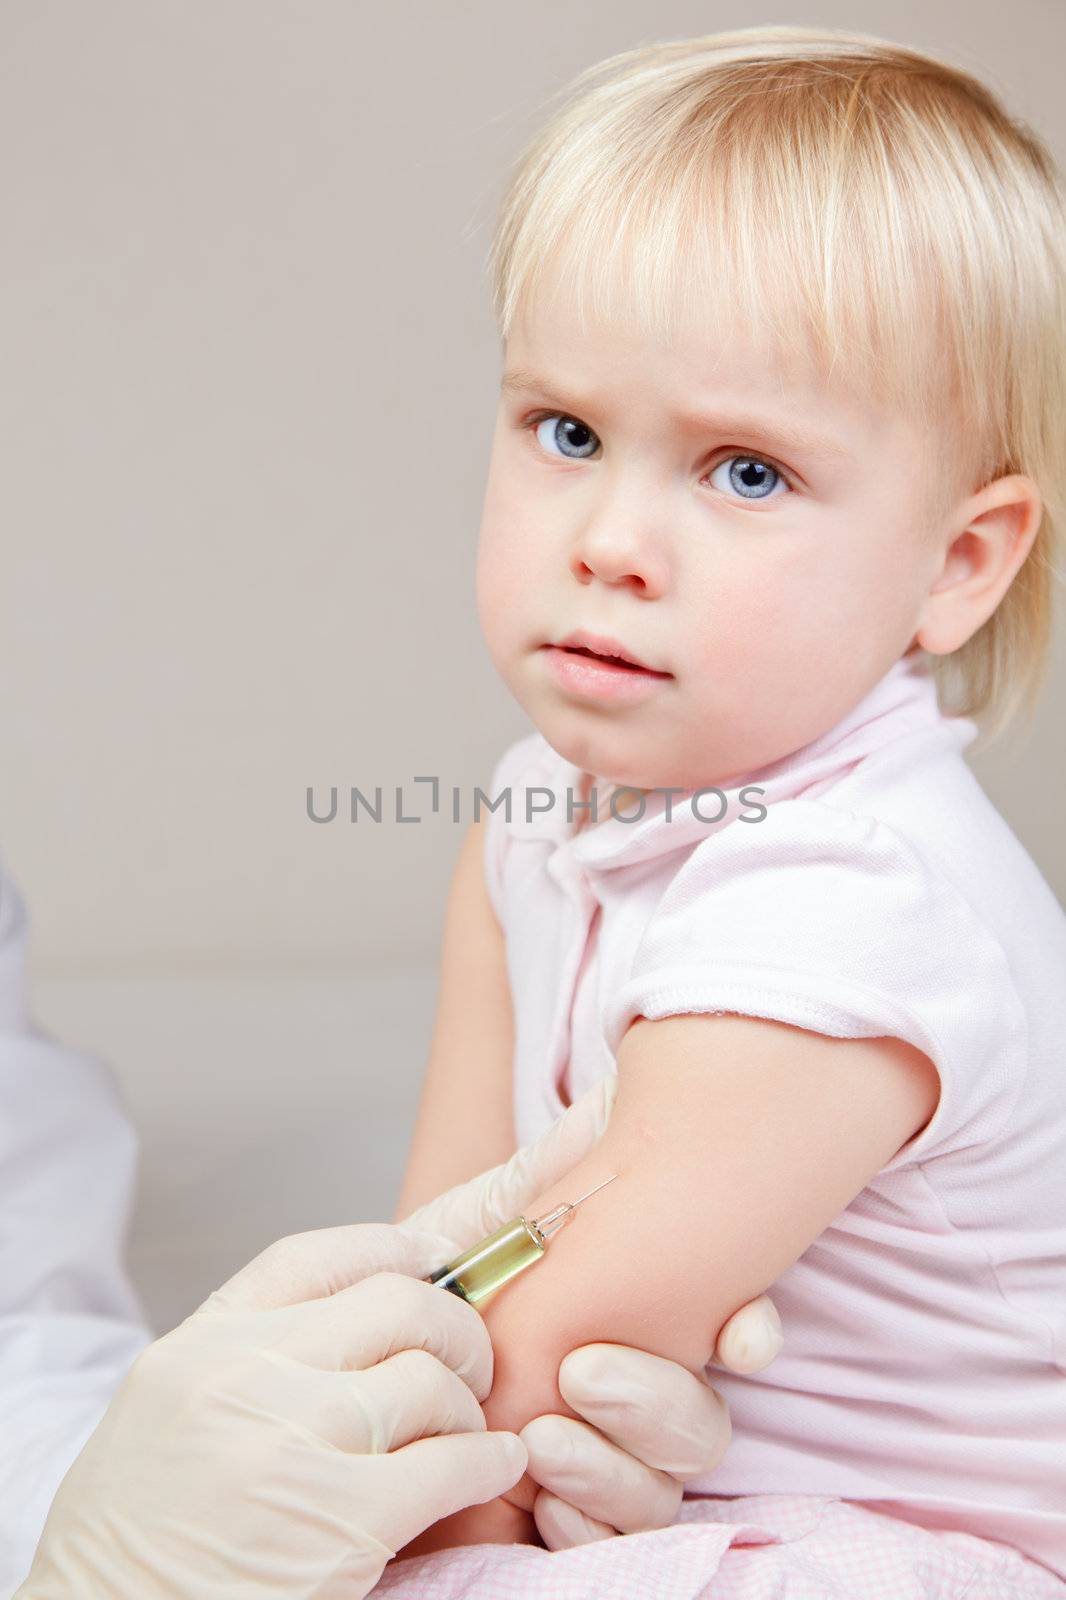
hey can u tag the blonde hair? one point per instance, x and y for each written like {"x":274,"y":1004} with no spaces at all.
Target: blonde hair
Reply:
{"x":856,"y":200}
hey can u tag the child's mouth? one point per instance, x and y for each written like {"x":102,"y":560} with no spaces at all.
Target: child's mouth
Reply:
{"x":582,"y":672}
{"x":608,"y":661}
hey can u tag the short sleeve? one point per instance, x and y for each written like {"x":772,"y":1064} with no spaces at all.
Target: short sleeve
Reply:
{"x":833,"y":922}
{"x":505,"y":775}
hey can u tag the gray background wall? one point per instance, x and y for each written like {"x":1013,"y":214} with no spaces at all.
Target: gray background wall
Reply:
{"x":247,"y":397}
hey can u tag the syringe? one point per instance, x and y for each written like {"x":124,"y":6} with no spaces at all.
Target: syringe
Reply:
{"x":501,"y":1256}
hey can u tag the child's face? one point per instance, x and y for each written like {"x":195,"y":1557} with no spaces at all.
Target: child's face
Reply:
{"x":774,"y":611}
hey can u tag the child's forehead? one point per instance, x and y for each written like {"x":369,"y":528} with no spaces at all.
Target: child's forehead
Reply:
{"x":709,"y":353}
{"x":716,"y":345}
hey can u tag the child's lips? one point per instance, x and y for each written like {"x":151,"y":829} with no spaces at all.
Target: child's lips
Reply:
{"x":604,"y":647}
{"x":589,"y":676}
{"x":610,"y":661}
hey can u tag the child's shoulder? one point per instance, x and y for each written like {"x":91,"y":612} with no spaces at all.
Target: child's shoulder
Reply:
{"x":833,"y":920}
{"x":936,"y":808}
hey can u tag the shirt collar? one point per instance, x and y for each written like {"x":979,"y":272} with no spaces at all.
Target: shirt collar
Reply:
{"x":904,"y":700}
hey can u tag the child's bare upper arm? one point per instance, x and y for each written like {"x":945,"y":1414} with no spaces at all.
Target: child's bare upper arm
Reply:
{"x":737,"y":1140}
{"x":465,"y":1119}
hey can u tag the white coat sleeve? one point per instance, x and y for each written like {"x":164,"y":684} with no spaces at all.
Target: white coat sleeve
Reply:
{"x":70,"y":1320}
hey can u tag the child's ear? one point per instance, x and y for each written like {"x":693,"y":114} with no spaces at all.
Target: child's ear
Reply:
{"x":988,"y":544}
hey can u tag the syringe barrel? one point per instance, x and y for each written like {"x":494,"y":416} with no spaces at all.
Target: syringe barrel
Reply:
{"x":494,"y":1261}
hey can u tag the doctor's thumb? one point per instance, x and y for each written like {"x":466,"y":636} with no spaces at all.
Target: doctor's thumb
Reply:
{"x":435,"y":1477}
{"x":478,"y":1207}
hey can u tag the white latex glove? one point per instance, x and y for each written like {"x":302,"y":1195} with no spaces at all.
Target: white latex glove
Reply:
{"x":651,"y":1423}
{"x":653,"y":1426}
{"x":312,"y":1417}
{"x":274,"y":1449}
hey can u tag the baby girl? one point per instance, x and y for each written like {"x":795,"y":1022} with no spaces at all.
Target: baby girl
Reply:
{"x":772,"y":510}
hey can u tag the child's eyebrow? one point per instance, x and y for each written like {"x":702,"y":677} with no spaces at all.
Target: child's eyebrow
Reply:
{"x":791,"y":436}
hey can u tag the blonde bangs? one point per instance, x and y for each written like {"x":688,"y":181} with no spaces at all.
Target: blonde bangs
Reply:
{"x":849,"y":205}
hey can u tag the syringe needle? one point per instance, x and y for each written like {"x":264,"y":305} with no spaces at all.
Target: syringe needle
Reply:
{"x":555,"y":1218}
{"x":598,"y":1187}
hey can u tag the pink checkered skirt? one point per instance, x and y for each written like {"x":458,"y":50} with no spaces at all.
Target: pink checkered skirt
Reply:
{"x":755,"y":1547}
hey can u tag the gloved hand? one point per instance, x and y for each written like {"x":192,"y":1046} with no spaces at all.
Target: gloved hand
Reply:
{"x":320,"y":1411}
{"x":651,"y":1424}
{"x":278,"y":1442}
{"x":313,"y":1416}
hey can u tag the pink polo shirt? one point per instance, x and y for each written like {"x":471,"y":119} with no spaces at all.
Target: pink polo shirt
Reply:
{"x":863,"y":886}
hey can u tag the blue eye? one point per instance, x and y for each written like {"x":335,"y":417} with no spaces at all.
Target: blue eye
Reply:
{"x":566,"y":431}
{"x":750,"y":477}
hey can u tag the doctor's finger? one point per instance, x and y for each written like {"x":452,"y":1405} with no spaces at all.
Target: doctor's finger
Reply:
{"x":360,"y":1326}
{"x":575,"y":1462}
{"x":484,"y":1203}
{"x":410,"y":1396}
{"x":656,"y":1409}
{"x":432,"y":1478}
{"x":310,"y":1266}
{"x":751,"y":1338}
{"x":562,"y":1525}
